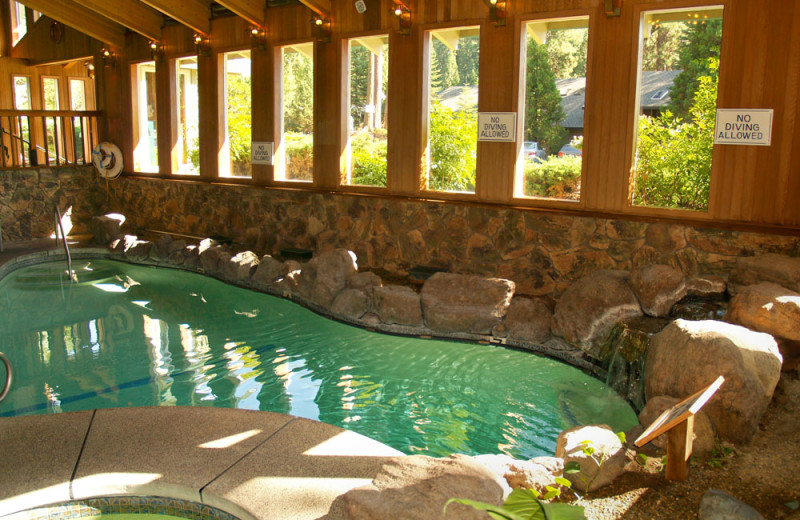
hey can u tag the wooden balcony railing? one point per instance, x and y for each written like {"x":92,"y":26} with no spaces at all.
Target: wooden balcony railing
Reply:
{"x":35,"y":138}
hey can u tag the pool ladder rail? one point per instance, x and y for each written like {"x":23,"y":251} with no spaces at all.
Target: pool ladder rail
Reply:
{"x":60,"y":228}
{"x":9,"y":376}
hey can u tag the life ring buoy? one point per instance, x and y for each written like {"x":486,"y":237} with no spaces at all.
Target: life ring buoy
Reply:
{"x":107,"y":160}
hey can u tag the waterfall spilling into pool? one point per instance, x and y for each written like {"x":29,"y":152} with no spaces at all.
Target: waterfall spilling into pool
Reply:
{"x":128,"y":335}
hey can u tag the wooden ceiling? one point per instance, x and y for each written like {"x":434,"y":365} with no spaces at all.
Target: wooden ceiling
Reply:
{"x":108,"y":21}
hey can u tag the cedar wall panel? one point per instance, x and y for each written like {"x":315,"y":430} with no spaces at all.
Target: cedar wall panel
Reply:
{"x":760,"y":68}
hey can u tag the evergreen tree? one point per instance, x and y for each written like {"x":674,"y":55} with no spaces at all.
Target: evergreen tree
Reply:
{"x":444,"y":69}
{"x":661,"y":47}
{"x":543,"y":111}
{"x":567,"y":51}
{"x":700,"y":41}
{"x":467,"y":60}
{"x":359,"y":80}
{"x":298,"y":93}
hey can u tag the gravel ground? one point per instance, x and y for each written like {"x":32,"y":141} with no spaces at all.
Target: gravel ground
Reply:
{"x":764,"y":474}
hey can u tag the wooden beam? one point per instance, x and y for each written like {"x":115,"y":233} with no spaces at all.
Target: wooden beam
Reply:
{"x":194,"y":14}
{"x":250,"y":10}
{"x":321,"y":7}
{"x":82,"y":19}
{"x":131,"y":14}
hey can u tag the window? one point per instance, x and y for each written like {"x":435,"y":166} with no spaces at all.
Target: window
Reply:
{"x":235,"y":155}
{"x":452,"y":109}
{"x":367,"y":74}
{"x":77,"y":101}
{"x":187,"y":110}
{"x":555,"y":55}
{"x":22,"y":92}
{"x":21,"y":125}
{"x":679,"y":55}
{"x":145,"y":128}
{"x":77,"y":94}
{"x":294,"y":157}
{"x":50,"y":101}
{"x":19,"y":22}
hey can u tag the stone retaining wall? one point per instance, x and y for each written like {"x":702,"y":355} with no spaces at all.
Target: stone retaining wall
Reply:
{"x":27,"y":198}
{"x":543,"y":254}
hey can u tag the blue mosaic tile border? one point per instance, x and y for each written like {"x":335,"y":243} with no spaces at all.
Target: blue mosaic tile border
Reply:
{"x":129,"y":505}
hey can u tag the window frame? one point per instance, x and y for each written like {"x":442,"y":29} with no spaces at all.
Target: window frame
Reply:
{"x":136,"y":124}
{"x":223,"y":157}
{"x":59,"y":94}
{"x":174,"y":72}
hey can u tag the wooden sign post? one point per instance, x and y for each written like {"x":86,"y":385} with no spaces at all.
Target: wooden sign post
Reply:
{"x":678,"y":423}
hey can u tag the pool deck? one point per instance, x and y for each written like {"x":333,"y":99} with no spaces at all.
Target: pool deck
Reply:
{"x":255,"y":465}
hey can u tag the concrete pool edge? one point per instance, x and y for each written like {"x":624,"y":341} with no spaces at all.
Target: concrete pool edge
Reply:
{"x":254,"y":465}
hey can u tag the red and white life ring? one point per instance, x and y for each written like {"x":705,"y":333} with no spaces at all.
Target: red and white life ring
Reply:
{"x":107,"y":160}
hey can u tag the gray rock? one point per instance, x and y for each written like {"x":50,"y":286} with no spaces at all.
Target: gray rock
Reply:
{"x":718,"y":505}
{"x":703,"y":439}
{"x":211,"y":259}
{"x":106,"y":228}
{"x":528,"y":320}
{"x":191,"y":257}
{"x":177,"y":245}
{"x":417,"y":487}
{"x":139,"y":251}
{"x":537,"y":473}
{"x":591,"y":306}
{"x":688,"y":355}
{"x":268,"y":271}
{"x":397,"y":304}
{"x":600,"y":468}
{"x":325,"y":275}
{"x":240,"y":267}
{"x":121,"y":245}
{"x":350,"y":303}
{"x":706,"y":286}
{"x":658,"y":288}
{"x":161,"y":248}
{"x":177,"y":257}
{"x":206,"y":243}
{"x":778,"y":269}
{"x":465,"y":303}
{"x":767,"y":307}
{"x":364,"y":281}
{"x":371,"y":319}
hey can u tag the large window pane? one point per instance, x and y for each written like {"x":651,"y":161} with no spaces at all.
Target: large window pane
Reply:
{"x":145,"y":152}
{"x":452,"y":108}
{"x":551,"y":161}
{"x":295,"y":154}
{"x":22,"y":134}
{"x":77,"y":101}
{"x":367,"y":75}
{"x":50,"y":101}
{"x":235,"y":155}
{"x":187,"y":109}
{"x":19,"y":22}
{"x":677,"y":106}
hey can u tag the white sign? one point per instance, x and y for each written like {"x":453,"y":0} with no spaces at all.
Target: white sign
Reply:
{"x":497,"y":126}
{"x":261,"y":152}
{"x":743,"y":127}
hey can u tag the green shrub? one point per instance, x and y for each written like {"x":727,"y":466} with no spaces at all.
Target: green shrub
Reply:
{"x":453,"y":147}
{"x":368,"y":157}
{"x":555,"y":177}
{"x":299,"y":156}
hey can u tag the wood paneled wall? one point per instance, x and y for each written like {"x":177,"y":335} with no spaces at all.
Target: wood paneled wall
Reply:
{"x":760,"y":68}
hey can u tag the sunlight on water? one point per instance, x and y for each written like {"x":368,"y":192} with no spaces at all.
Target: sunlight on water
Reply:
{"x":139,"y":336}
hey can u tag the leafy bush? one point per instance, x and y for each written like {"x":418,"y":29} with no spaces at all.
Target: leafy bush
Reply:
{"x":555,"y":177}
{"x":299,"y":156}
{"x":673,"y":162}
{"x":368,"y":157}
{"x":453,"y":149}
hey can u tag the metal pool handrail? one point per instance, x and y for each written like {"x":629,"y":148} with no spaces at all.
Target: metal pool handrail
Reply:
{"x":59,"y":227}
{"x":9,"y":376}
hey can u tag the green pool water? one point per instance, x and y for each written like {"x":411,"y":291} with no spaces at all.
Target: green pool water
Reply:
{"x":130,"y":335}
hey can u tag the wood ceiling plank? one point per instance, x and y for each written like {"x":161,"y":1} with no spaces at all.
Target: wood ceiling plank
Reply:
{"x":321,"y":7}
{"x":82,"y":19}
{"x":131,"y":14}
{"x":194,"y":14}
{"x":250,"y":10}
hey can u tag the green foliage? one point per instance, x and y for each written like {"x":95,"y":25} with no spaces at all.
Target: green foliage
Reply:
{"x":673,"y":163}
{"x":467,"y":60}
{"x":359,"y":81}
{"x":567,"y":51}
{"x":525,"y":504}
{"x":453,"y":148}
{"x":719,"y":455}
{"x":368,"y":158}
{"x":543,"y":111}
{"x":556,"y":177}
{"x":444,"y":69}
{"x":298,"y":93}
{"x":239,"y":123}
{"x":698,"y":58}
{"x":299,"y":156}
{"x":661,"y":47}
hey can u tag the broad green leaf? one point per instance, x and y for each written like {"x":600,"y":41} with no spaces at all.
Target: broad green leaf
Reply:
{"x":572,"y":467}
{"x":523,"y":502}
{"x":589,"y":451}
{"x":641,"y":458}
{"x":564,"y":482}
{"x":496,"y":512}
{"x":551,"y":493}
{"x":621,"y":437}
{"x":563,"y":512}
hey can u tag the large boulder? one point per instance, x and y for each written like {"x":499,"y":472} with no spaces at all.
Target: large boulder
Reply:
{"x":779,"y":269}
{"x":703,"y":439}
{"x":268,"y":270}
{"x":689,"y":355}
{"x":107,"y":228}
{"x":139,"y":250}
{"x":325,"y":275}
{"x":465,"y":303}
{"x":718,"y":505}
{"x":350,"y":303}
{"x":591,"y":306}
{"x":537,"y":473}
{"x":212,"y":258}
{"x":161,"y":249}
{"x":364,"y":281}
{"x":602,"y":466}
{"x":706,"y":286}
{"x":528,"y":320}
{"x":658,"y":288}
{"x":416,"y":487}
{"x":397,"y":304}
{"x":240,"y":267}
{"x":767,"y":307}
